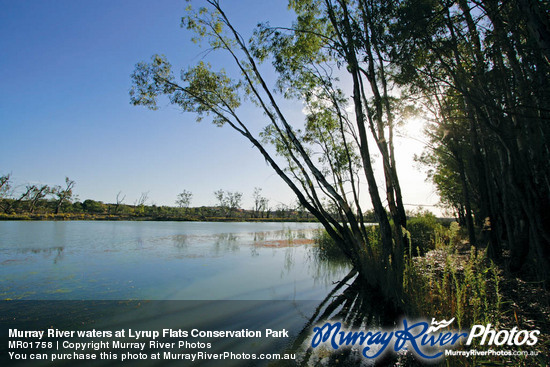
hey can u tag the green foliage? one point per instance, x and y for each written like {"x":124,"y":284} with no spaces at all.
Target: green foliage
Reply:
{"x":295,"y":53}
{"x":228,"y":201}
{"x":446,"y":285}
{"x":326,"y":248}
{"x":92,"y":206}
{"x":208,"y":27}
{"x":76,"y":207}
{"x":423,"y":229}
{"x":184,"y":199}
{"x":5,"y":185}
{"x":63,"y":195}
{"x":151,"y":80}
{"x":207,"y":93}
{"x":261,"y":203}
{"x":204,"y":92}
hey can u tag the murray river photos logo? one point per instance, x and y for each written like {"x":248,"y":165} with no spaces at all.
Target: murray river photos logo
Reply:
{"x":427,"y":341}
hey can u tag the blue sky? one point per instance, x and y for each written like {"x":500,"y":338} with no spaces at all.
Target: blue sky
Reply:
{"x":64,"y":108}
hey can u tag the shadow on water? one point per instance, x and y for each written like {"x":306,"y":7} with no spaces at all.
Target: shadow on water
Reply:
{"x":356,"y":307}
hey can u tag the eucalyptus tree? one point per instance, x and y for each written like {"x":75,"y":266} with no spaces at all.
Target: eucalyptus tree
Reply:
{"x":36,"y":193}
{"x":228,"y":201}
{"x":10,"y":204}
{"x":451,"y":160}
{"x":324,"y":157}
{"x":261,"y":203}
{"x":220,"y":198}
{"x":234,"y":200}
{"x":184,"y":199}
{"x":5,"y":185}
{"x":139,"y":204}
{"x":119,"y":200}
{"x":63,"y":194}
{"x":5,"y":192}
{"x":492,"y":58}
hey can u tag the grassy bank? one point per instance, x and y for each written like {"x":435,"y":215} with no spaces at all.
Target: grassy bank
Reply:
{"x":445,"y":278}
{"x":456,"y":281}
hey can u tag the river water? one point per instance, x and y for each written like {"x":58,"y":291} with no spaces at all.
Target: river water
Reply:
{"x":86,"y":260}
{"x":156,"y":276}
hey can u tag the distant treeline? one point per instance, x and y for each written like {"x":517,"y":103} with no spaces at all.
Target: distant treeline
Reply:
{"x":43,"y":202}
{"x":91,"y":209}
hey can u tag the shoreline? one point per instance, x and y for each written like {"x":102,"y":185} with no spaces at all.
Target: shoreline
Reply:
{"x":114,"y":217}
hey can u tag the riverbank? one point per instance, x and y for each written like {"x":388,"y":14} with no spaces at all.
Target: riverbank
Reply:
{"x":130,"y":217}
{"x":448,"y":279}
{"x":456,"y":281}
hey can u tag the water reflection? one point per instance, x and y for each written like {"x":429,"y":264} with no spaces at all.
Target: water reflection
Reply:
{"x":260,"y":236}
{"x":181,"y":241}
{"x":225,"y":242}
{"x":358,"y":307}
{"x":57,"y":251}
{"x":125,"y":260}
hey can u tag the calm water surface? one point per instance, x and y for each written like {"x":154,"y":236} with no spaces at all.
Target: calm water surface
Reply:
{"x":86,"y":260}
